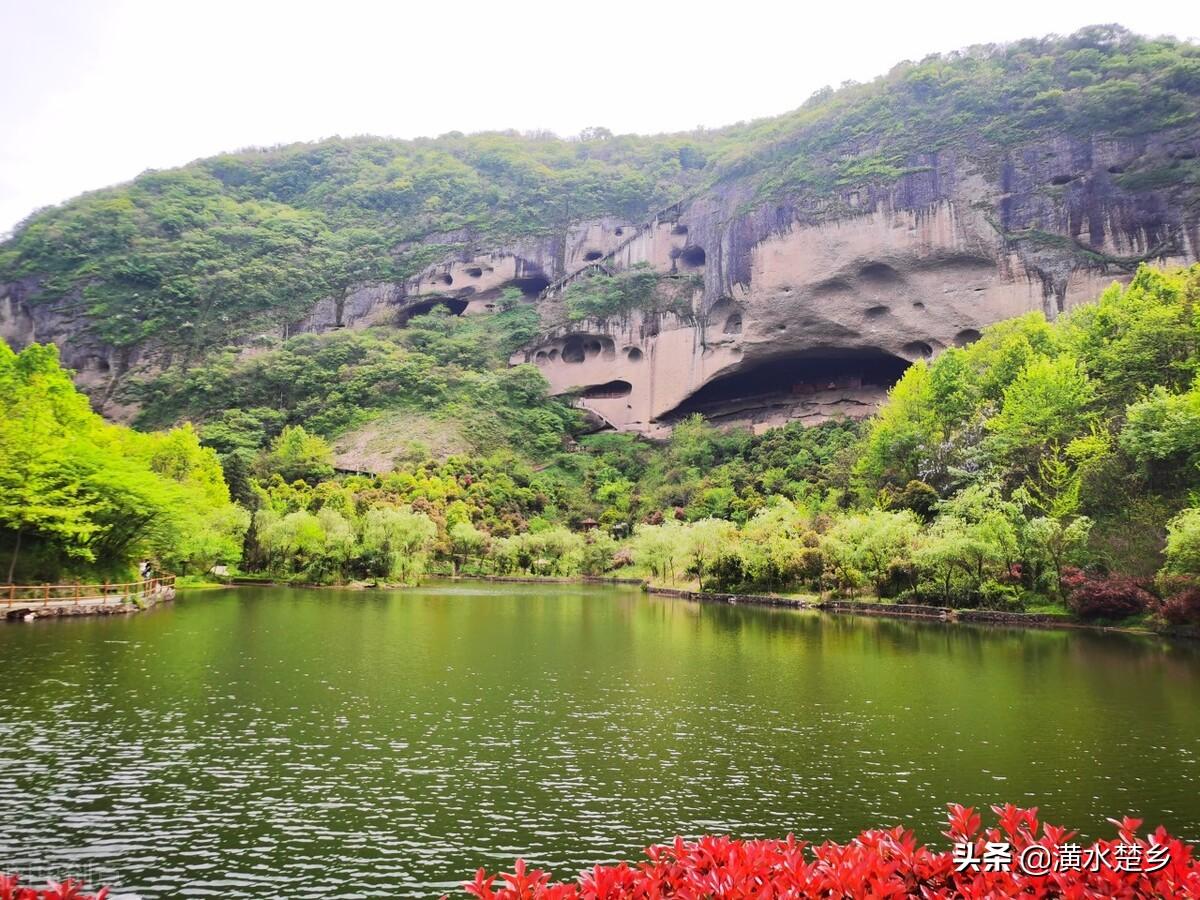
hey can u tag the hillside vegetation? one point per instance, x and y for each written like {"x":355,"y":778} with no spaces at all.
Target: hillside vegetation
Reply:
{"x":230,"y":245}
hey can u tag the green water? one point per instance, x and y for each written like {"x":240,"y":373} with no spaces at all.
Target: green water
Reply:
{"x":393,"y":742}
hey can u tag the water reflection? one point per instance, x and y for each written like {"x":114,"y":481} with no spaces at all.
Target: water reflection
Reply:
{"x":394,"y":742}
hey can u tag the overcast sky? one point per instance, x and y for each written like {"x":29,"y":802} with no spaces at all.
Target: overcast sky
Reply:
{"x":92,"y":92}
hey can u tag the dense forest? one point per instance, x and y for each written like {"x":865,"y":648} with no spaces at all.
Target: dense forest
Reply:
{"x":1049,"y":466}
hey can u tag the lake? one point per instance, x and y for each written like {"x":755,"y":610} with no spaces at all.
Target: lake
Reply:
{"x":364,"y":743}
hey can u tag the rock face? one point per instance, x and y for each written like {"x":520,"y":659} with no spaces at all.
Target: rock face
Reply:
{"x":813,"y":310}
{"x":803,"y":306}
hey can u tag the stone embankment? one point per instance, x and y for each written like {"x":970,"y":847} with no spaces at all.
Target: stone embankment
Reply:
{"x":32,"y":602}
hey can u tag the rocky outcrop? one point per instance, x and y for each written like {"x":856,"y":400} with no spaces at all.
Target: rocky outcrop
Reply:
{"x":811,"y":307}
{"x":798,"y":306}
{"x":98,"y":366}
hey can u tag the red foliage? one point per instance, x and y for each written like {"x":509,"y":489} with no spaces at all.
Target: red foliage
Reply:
{"x":10,"y":889}
{"x":1014,"y":574}
{"x":1183,"y":606}
{"x":876,"y":864}
{"x":1105,"y":597}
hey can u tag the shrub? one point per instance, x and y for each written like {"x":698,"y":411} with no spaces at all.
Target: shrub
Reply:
{"x":1182,"y":607}
{"x":875,"y":864}
{"x":1104,"y":597}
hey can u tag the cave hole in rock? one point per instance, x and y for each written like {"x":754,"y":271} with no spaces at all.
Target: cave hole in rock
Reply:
{"x":608,"y":391}
{"x":733,"y":325}
{"x":1116,"y":170}
{"x":1060,"y":180}
{"x":97,"y":363}
{"x":692,"y":256}
{"x":572,"y":351}
{"x":917,"y":304}
{"x":966,"y":336}
{"x":446,"y":278}
{"x":876,"y":312}
{"x":530,"y":285}
{"x":592,"y":255}
{"x":831,"y":286}
{"x":879,"y":272}
{"x":634,"y":355}
{"x":475,"y":271}
{"x":783,"y":379}
{"x":918,"y":348}
{"x":554,"y":354}
{"x":679,"y":229}
{"x":541,"y":357}
{"x":618,"y":231}
{"x":419,"y":309}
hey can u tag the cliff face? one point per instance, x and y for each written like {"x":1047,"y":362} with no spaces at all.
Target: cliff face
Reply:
{"x":806,"y":314}
{"x":809,"y":307}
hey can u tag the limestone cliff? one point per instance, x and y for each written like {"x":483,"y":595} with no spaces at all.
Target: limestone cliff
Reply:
{"x":805,"y":314}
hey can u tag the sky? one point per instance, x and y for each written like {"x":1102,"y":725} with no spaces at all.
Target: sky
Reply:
{"x":93,"y":92}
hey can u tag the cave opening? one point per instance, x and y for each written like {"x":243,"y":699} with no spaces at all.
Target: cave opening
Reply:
{"x":692,"y":257}
{"x":530,"y":285}
{"x":475,"y":271}
{"x":679,"y":229}
{"x":879,"y":273}
{"x":966,"y":336}
{"x":609,"y":391}
{"x":592,"y":255}
{"x":783,"y":379}
{"x":455,"y":306}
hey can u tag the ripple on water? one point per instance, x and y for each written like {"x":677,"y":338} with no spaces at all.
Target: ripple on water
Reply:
{"x":390,"y":744}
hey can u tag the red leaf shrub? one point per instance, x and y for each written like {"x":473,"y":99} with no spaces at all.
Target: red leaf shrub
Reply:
{"x":1183,"y":606}
{"x":1105,"y":597}
{"x":10,"y":889}
{"x":876,"y":864}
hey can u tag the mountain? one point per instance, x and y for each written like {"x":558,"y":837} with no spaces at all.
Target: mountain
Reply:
{"x":780,"y":270}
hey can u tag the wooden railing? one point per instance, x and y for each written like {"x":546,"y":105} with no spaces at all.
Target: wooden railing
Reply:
{"x":42,"y":594}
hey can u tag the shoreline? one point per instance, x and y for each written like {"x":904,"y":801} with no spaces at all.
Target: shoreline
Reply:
{"x":876,"y":609}
{"x":69,"y":610}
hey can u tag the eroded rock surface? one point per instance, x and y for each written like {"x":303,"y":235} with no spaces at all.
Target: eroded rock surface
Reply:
{"x":802,"y":306}
{"x":812,"y":310}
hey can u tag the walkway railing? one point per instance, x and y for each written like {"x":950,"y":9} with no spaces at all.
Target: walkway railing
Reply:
{"x":57,"y":594}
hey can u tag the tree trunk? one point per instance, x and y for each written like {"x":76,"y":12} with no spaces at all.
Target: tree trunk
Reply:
{"x":12,"y":563}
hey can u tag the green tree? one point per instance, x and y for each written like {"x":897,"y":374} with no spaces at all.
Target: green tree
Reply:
{"x":466,"y":543}
{"x":1183,"y":543}
{"x":397,"y":543}
{"x":706,"y":540}
{"x":297,"y":455}
{"x":1047,"y":403}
